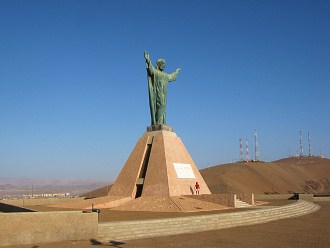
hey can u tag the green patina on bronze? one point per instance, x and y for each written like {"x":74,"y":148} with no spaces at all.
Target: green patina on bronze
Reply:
{"x":157,"y":86}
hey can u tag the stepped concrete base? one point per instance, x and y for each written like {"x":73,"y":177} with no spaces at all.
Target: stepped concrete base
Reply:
{"x":126,"y":230}
{"x":242,"y":204}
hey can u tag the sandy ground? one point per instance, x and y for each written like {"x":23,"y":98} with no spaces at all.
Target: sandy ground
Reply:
{"x":311,"y":230}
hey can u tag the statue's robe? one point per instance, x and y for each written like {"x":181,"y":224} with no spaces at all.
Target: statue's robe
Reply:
{"x":157,"y":85}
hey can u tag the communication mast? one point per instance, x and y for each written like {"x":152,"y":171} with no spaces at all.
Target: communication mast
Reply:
{"x":301,"y":145}
{"x":247,"y":150}
{"x":309,"y":145}
{"x":256,"y":146}
{"x":240,"y":150}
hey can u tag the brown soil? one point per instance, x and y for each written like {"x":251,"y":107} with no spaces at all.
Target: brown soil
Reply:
{"x":307,"y":231}
{"x":306,"y":174}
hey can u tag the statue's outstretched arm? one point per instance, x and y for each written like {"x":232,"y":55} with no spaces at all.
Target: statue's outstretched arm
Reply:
{"x":149,"y":65}
{"x":174,"y":74}
{"x":146,"y":56}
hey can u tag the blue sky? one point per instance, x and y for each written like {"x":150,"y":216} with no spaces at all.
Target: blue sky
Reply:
{"x":73,"y":86}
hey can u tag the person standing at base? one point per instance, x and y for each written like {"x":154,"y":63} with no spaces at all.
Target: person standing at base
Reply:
{"x":197,"y":187}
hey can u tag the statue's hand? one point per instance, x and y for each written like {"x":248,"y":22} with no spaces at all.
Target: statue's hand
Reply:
{"x":178,"y":70}
{"x":146,"y":55}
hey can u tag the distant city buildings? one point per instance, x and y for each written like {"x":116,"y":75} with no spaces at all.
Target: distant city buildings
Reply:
{"x":45,"y":195}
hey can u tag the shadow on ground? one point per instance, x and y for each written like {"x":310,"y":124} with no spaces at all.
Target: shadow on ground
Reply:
{"x":112,"y":243}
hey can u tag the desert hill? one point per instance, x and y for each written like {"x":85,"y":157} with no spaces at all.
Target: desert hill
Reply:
{"x":301,"y":174}
{"x":99,"y":192}
{"x":295,"y":174}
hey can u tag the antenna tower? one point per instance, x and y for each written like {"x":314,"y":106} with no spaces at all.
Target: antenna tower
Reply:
{"x":256,"y":146}
{"x":309,"y":145}
{"x":301,"y":145}
{"x":247,"y":150}
{"x":240,"y":150}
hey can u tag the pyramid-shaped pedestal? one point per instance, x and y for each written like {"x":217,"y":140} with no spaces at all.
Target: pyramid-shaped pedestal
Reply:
{"x":159,"y":165}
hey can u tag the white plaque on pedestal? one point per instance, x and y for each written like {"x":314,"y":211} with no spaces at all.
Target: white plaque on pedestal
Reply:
{"x":183,"y":170}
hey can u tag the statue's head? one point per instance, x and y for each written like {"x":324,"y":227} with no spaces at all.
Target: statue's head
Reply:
{"x":160,"y":65}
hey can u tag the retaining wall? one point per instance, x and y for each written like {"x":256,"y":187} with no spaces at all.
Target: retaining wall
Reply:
{"x":222,"y":199}
{"x":43,"y":227}
{"x":306,"y":197}
{"x":248,"y":198}
{"x":321,"y":198}
{"x":273,"y":197}
{"x":294,"y":196}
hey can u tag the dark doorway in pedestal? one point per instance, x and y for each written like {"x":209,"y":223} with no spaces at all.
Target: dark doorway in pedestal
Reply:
{"x":139,"y":188}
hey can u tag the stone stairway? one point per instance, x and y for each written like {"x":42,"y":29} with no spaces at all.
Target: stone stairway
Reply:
{"x":241,"y":204}
{"x":126,"y":230}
